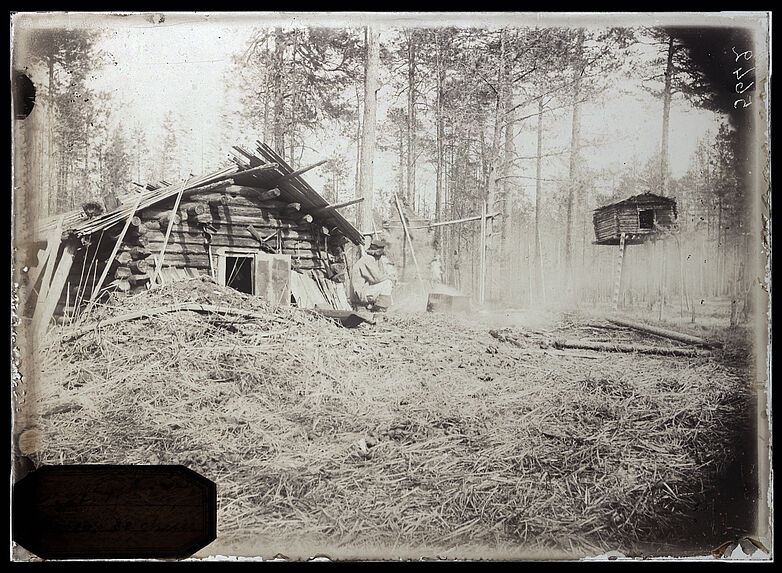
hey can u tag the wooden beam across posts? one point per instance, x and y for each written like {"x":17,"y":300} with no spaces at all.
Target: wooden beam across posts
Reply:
{"x":409,"y":241}
{"x":128,"y":222}
{"x":45,"y":307}
{"x":328,"y":208}
{"x":455,"y":221}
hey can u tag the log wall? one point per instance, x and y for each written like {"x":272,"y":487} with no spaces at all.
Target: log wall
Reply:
{"x":228,"y":215}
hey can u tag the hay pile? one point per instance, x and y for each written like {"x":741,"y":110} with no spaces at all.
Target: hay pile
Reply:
{"x":420,"y":431}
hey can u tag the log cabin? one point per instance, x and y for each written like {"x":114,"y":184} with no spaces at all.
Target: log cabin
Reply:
{"x":639,"y":218}
{"x":256,"y":226}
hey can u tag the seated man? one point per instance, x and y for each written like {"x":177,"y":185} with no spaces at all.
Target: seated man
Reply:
{"x":371,"y":281}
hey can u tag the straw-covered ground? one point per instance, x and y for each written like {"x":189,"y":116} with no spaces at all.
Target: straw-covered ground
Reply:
{"x":421,"y":431}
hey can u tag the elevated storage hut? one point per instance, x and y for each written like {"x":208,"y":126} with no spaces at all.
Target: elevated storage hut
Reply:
{"x":256,"y":226}
{"x":639,"y":217}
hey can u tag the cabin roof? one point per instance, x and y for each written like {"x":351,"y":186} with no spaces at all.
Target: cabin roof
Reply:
{"x":293,"y":188}
{"x":641,"y":199}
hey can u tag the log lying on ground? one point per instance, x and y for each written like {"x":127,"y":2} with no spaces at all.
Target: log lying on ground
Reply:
{"x":195,"y":307}
{"x":621,"y":347}
{"x":665,"y":333}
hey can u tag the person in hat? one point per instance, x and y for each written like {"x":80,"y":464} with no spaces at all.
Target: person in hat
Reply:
{"x":371,"y":281}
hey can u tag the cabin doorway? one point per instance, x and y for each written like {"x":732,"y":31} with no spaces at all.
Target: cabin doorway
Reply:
{"x":239,"y":272}
{"x":646,"y":219}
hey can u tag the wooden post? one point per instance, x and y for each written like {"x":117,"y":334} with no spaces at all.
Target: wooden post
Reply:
{"x":410,"y":242}
{"x":663,"y":269}
{"x":618,"y":275}
{"x":482,"y":257}
{"x":45,"y":307}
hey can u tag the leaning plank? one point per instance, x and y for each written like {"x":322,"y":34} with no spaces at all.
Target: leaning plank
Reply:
{"x":665,"y":333}
{"x":195,"y":307}
{"x":619,"y":347}
{"x":47,"y":265}
{"x":128,"y":222}
{"x":45,"y":307}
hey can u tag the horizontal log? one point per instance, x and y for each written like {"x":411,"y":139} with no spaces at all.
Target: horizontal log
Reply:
{"x":139,"y":279}
{"x":201,"y":261}
{"x":252,"y":192}
{"x":197,"y":209}
{"x":247,"y":241}
{"x":123,"y":285}
{"x":123,"y":258}
{"x":139,"y":253}
{"x":139,"y":267}
{"x":622,"y":347}
{"x":122,"y":273}
{"x":664,"y":333}
{"x":224,"y":234}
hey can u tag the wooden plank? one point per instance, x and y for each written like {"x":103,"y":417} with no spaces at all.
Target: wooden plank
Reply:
{"x":45,"y":308}
{"x":53,"y":244}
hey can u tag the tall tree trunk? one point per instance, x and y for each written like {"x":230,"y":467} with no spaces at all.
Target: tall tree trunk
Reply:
{"x":666,"y":118}
{"x":438,"y":205}
{"x":575,"y":161}
{"x":279,"y":114}
{"x":368,"y":130}
{"x":411,"y":118}
{"x":538,"y":205}
{"x":357,"y":182}
{"x":494,"y":163}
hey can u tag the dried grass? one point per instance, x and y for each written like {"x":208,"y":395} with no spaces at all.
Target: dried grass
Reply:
{"x":423,"y":430}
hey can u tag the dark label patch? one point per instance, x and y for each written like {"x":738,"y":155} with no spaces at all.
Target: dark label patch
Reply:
{"x":98,"y":512}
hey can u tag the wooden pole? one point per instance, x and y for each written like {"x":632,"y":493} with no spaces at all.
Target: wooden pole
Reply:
{"x":409,"y":242}
{"x":162,"y":255}
{"x":482,"y":257}
{"x":464,"y":220}
{"x":618,"y":275}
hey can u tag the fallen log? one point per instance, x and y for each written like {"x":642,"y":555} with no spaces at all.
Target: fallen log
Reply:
{"x":622,"y":347}
{"x":664,"y":333}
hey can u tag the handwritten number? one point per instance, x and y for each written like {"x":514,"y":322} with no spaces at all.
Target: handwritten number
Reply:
{"x":741,"y":84}
{"x":743,"y":103}
{"x":747,"y":54}
{"x":738,"y":77}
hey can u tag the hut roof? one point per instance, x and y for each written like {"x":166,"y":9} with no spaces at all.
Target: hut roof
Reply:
{"x":641,"y":199}
{"x":293,"y":188}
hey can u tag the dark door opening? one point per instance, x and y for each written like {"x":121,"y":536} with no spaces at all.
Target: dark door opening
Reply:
{"x":239,"y":273}
{"x":646,"y":219}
